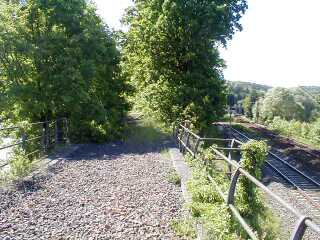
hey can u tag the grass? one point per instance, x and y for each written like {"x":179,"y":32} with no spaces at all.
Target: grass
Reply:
{"x":165,"y":153}
{"x":184,"y":228}
{"x":174,"y":178}
{"x":147,"y":131}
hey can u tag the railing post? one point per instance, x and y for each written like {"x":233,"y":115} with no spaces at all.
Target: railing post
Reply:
{"x":230,"y":158}
{"x":56,"y":132}
{"x":233,"y":185}
{"x":45,"y":136}
{"x":196,"y":148}
{"x":24,"y":139}
{"x":300,"y":228}
{"x":188,"y":138}
{"x":67,"y":130}
{"x":180,"y":139}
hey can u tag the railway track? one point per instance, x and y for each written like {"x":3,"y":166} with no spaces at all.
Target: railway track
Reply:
{"x":307,"y":187}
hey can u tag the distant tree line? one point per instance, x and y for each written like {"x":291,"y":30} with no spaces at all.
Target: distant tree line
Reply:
{"x":293,"y":112}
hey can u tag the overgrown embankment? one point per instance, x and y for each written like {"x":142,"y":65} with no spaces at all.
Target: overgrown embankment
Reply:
{"x":210,"y":209}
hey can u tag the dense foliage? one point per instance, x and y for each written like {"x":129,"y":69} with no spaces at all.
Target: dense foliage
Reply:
{"x":243,"y":89}
{"x":58,"y":59}
{"x":308,"y":133}
{"x":171,"y":56}
{"x":207,"y":206}
{"x":280,"y":102}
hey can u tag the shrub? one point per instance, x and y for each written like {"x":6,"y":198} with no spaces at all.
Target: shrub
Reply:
{"x":20,"y":165}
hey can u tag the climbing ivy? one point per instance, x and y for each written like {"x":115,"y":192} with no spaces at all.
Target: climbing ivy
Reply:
{"x":253,"y":158}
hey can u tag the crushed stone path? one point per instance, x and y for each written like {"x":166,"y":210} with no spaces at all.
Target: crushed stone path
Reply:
{"x":109,"y":191}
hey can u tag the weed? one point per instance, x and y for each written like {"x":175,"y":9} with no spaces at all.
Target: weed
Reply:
{"x":147,"y":131}
{"x":174,"y":177}
{"x":20,"y":165}
{"x":184,"y":228}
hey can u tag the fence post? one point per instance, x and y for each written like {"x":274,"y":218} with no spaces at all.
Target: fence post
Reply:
{"x":56,"y":132}
{"x":196,"y":148}
{"x":180,"y":139}
{"x":188,"y":138}
{"x":24,"y":139}
{"x":67,"y":130}
{"x":230,"y":158}
{"x":233,"y":185}
{"x":45,"y":136}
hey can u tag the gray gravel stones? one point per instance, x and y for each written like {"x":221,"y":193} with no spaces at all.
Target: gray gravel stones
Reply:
{"x":109,"y":191}
{"x":290,"y":195}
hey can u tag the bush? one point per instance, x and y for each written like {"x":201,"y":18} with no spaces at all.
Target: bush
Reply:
{"x":210,"y":209}
{"x":20,"y":165}
{"x":305,"y":132}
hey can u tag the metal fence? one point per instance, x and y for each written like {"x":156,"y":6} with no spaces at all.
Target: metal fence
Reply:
{"x":190,"y":142}
{"x":35,"y":139}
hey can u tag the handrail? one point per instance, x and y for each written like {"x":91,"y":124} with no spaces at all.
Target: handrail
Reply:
{"x":280,"y":159}
{"x":52,"y":132}
{"x":303,"y":222}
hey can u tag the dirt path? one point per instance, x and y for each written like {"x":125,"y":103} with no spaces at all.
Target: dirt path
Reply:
{"x":110,"y":191}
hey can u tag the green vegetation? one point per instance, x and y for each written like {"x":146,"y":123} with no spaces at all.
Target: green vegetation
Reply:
{"x":184,"y":228}
{"x":240,"y":90}
{"x":20,"y":165}
{"x":147,"y":131}
{"x":174,"y":177}
{"x":209,"y":208}
{"x":293,"y":112}
{"x":58,"y":59}
{"x":308,"y":133}
{"x":171,"y":58}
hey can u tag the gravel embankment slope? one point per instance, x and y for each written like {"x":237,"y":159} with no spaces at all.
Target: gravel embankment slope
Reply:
{"x":109,"y":191}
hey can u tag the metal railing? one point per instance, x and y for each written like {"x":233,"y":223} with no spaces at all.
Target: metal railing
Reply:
{"x":35,"y":139}
{"x":189,"y":141}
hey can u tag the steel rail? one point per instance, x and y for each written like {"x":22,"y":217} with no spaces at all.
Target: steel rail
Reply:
{"x":280,"y":159}
{"x":291,"y":181}
{"x":235,"y":164}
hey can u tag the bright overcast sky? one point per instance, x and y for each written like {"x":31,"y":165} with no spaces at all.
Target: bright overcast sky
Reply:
{"x":279,"y":46}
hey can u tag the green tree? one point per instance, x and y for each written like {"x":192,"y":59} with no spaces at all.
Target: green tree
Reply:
{"x":171,"y":56}
{"x":65,"y":64}
{"x":280,"y":102}
{"x":248,"y":103}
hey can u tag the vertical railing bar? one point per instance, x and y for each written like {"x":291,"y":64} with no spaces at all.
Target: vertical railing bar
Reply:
{"x":300,"y":228}
{"x":302,"y":224}
{"x":233,"y":186}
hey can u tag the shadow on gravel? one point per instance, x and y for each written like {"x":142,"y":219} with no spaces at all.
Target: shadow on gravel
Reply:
{"x":141,"y":137}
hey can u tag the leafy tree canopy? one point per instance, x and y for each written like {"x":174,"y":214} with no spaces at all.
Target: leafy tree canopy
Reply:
{"x":58,"y":59}
{"x":171,"y":56}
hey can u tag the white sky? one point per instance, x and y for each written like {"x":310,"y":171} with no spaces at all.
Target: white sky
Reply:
{"x":279,"y":46}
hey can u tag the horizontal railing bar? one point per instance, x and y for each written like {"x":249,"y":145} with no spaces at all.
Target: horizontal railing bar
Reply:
{"x":217,"y":139}
{"x":284,"y":162}
{"x":234,"y":211}
{"x":32,"y":153}
{"x":11,"y":145}
{"x":189,"y":150}
{"x":308,"y":222}
{"x":189,"y":131}
{"x":268,"y":191}
{"x":225,"y":148}
{"x":243,"y":223}
{"x":9,"y":128}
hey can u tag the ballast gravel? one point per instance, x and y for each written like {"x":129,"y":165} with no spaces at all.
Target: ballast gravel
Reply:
{"x":110,"y":191}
